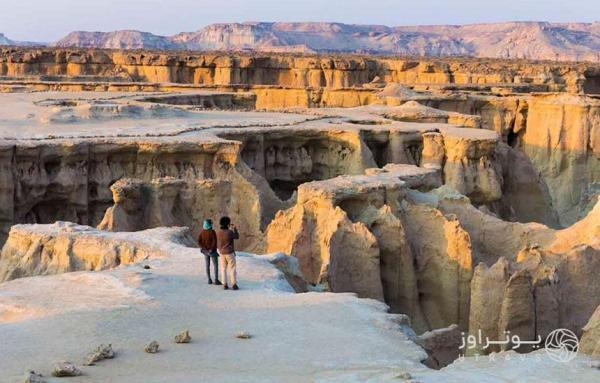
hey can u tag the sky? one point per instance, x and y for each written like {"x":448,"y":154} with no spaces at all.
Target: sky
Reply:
{"x":49,"y":20}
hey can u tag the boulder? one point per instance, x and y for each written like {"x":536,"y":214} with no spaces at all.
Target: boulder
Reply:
{"x":33,"y":377}
{"x":65,"y":369}
{"x":100,"y":353}
{"x":152,"y":347}
{"x":183,"y":337}
{"x":442,"y":346}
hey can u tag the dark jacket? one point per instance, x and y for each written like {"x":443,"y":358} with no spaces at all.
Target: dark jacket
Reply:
{"x":208,"y":242}
{"x":225,"y":239}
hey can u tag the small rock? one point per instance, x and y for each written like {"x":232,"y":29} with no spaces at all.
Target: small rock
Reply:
{"x":243,"y":335}
{"x":152,"y":347}
{"x":404,"y":376}
{"x":183,"y":337}
{"x":101,"y":352}
{"x":147,"y":267}
{"x":33,"y":377}
{"x":63,"y":369}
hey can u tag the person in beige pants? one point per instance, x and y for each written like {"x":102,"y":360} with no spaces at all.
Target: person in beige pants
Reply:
{"x":226,"y":236}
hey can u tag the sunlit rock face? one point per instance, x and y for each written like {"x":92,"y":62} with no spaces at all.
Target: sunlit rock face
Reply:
{"x":293,"y":70}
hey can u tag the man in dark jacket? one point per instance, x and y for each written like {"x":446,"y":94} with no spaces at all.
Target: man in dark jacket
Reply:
{"x":225,"y":237}
{"x":208,"y":246}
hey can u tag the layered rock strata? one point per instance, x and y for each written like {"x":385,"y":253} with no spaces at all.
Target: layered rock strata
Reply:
{"x":289,"y":70}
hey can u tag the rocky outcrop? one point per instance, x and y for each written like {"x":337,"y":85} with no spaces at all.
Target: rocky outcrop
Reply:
{"x":442,"y":346}
{"x":441,"y":260}
{"x":562,"y":141}
{"x":62,"y":247}
{"x":443,"y":266}
{"x":349,"y":235}
{"x":333,"y":251}
{"x":141,"y":205}
{"x":545,"y":286}
{"x":470,"y":164}
{"x":590,"y":340}
{"x":412,"y":111}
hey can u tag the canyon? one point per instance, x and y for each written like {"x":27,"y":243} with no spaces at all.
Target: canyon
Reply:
{"x":449,"y":196}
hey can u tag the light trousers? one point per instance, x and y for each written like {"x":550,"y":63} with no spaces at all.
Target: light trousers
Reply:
{"x":228,"y":269}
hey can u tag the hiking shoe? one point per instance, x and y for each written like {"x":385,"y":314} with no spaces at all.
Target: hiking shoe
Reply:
{"x":218,"y":282}
{"x":235,"y":287}
{"x":209,"y":281}
{"x":225,"y":287}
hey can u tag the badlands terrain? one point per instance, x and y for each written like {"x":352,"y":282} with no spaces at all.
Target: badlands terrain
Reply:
{"x":388,"y":207}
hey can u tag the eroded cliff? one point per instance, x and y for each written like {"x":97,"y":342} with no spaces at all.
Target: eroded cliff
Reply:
{"x":287,"y":70}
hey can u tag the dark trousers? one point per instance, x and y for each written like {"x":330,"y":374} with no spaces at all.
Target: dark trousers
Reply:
{"x":215,"y":262}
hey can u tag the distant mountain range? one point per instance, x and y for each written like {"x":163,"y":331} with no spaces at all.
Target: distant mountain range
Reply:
{"x":6,"y":41}
{"x":530,"y":40}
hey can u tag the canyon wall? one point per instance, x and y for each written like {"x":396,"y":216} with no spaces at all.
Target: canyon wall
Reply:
{"x":288,"y":70}
{"x":70,"y":180}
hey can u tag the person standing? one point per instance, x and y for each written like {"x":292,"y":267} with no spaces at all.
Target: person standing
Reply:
{"x":208,"y":246}
{"x":225,"y":238}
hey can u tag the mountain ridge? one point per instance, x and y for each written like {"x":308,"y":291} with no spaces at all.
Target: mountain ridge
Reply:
{"x":536,"y":40}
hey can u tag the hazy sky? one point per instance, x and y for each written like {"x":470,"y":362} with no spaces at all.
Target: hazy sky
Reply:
{"x":48,"y":20}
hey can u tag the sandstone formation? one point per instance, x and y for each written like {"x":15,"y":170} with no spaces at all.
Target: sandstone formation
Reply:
{"x":460,"y":194}
{"x":470,"y":268}
{"x":290,"y":268}
{"x":442,"y":346}
{"x":289,"y":71}
{"x":590,"y":340}
{"x":63,"y":247}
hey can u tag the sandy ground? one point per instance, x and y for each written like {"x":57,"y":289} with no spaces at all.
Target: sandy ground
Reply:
{"x":312,"y":337}
{"x":296,"y":337}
